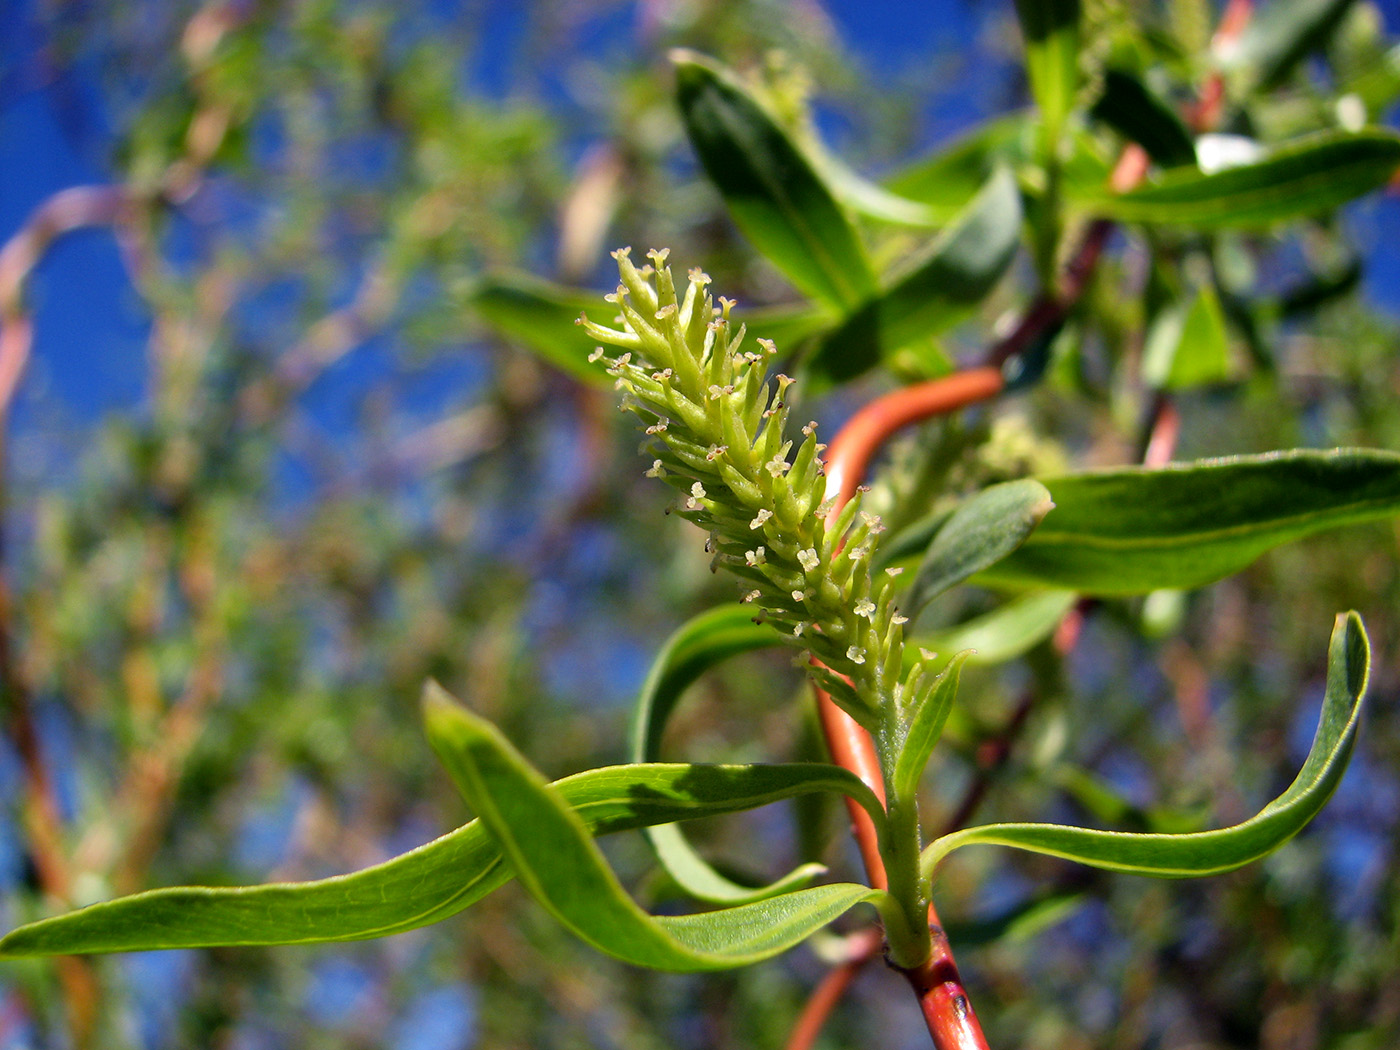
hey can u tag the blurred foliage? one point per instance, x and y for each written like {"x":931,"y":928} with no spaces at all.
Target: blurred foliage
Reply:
{"x":338,"y":482}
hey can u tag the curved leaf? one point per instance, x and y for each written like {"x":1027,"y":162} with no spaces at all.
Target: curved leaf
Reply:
{"x":556,"y":859}
{"x":1312,"y":175}
{"x":934,"y":289}
{"x":1211,"y":852}
{"x":1134,"y":530}
{"x":982,"y":531}
{"x":420,"y":887}
{"x":694,"y":648}
{"x":773,"y":191}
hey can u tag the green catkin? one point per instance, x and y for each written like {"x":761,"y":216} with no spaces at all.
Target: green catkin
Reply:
{"x":715,"y":427}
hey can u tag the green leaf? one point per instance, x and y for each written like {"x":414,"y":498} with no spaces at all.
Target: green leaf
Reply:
{"x":1211,"y":852}
{"x":556,"y":859}
{"x":934,"y":289}
{"x":1310,"y":176}
{"x":1134,"y":530}
{"x":924,"y":728}
{"x":945,"y":181}
{"x":1188,"y":346}
{"x":1278,"y":36}
{"x":695,"y":647}
{"x":771,"y":188}
{"x":1004,"y":633}
{"x":983,"y":530}
{"x":1050,"y":29}
{"x":542,"y":317}
{"x":420,"y":887}
{"x":869,"y":198}
{"x":1136,"y":113}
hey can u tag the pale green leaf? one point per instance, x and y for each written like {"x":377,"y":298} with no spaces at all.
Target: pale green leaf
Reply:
{"x":558,"y":862}
{"x":1309,"y":177}
{"x":983,"y":530}
{"x":1133,"y":530}
{"x":932,"y":290}
{"x":1211,"y":852}
{"x":695,"y":647}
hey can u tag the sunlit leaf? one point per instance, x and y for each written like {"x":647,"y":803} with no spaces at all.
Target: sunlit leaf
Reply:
{"x":1004,"y":633}
{"x":1134,"y":529}
{"x":932,"y":290}
{"x":1050,"y":29}
{"x":420,"y":887}
{"x":695,"y":647}
{"x":558,"y":862}
{"x":771,"y":188}
{"x":1310,"y":176}
{"x":1211,"y":852}
{"x":953,"y":174}
{"x":983,"y":530}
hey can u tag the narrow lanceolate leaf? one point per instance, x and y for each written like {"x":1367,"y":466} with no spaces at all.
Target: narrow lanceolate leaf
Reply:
{"x":1004,"y":633}
{"x":1129,"y":108}
{"x":986,"y":528}
{"x":1312,"y":175}
{"x":924,"y":727}
{"x":771,"y":188}
{"x":1211,"y":852}
{"x":556,"y":859}
{"x":1134,"y":530}
{"x":934,"y":289}
{"x":1050,"y":29}
{"x":420,"y":887}
{"x":695,"y":647}
{"x":540,"y":316}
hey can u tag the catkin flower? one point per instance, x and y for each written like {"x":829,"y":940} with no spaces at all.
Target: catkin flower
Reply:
{"x":716,"y":421}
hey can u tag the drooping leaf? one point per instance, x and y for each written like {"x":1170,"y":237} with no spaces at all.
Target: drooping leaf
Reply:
{"x":924,"y":728}
{"x":1188,"y":345}
{"x":420,"y":887}
{"x":1133,"y":530}
{"x":1129,"y":108}
{"x":541,"y":316}
{"x":695,"y":647}
{"x":771,"y":188}
{"x":558,"y":862}
{"x":1310,"y":176}
{"x":983,"y":530}
{"x":1279,"y":36}
{"x":1004,"y":633}
{"x":1211,"y":852}
{"x":1050,"y":29}
{"x":932,"y":290}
